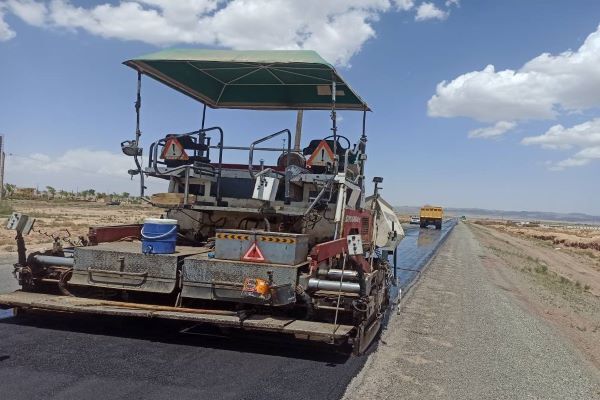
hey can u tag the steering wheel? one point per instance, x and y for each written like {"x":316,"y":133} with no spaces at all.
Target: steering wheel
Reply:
{"x":338,"y":141}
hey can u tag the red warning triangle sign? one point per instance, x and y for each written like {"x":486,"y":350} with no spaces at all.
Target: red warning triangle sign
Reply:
{"x":254,"y":254}
{"x":321,"y":156}
{"x":173,"y":150}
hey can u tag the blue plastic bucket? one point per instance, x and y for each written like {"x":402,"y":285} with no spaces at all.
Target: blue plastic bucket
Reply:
{"x":159,"y":236}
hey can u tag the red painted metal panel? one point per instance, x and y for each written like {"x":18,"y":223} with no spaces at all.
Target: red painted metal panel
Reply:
{"x":358,"y":222}
{"x":103,"y":234}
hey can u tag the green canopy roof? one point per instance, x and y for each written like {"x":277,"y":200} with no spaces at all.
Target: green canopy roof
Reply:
{"x":276,"y":79}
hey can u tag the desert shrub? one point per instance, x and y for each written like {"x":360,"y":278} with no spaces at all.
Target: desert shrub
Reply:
{"x":587,"y":288}
{"x":5,"y":208}
{"x":541,"y":269}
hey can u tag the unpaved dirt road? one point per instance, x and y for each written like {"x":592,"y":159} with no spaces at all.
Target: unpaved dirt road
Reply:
{"x":463,"y":334}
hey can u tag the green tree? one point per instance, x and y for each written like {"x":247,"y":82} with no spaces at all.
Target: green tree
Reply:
{"x":51,"y":190}
{"x":125,"y":195}
{"x":9,"y":189}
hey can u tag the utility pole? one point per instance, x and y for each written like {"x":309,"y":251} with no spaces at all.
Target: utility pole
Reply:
{"x":1,"y":167}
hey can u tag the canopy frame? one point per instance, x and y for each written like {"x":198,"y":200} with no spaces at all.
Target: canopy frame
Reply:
{"x":259,"y":80}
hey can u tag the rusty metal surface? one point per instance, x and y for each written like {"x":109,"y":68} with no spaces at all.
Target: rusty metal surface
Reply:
{"x":103,"y":234}
{"x":121,"y":265}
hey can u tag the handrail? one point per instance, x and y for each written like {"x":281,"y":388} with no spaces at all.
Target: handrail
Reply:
{"x":289,"y":150}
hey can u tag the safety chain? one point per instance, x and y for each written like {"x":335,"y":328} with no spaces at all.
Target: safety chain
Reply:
{"x":56,"y":237}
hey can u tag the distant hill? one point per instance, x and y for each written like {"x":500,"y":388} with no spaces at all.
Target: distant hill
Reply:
{"x":516,"y":215}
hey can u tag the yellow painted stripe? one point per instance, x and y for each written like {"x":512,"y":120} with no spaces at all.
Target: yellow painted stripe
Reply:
{"x":276,"y":239}
{"x":232,"y":236}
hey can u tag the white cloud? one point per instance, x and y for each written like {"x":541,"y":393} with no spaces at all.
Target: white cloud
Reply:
{"x":83,"y":161}
{"x":404,"y":5}
{"x":76,"y":168}
{"x":546,"y":87}
{"x":491,"y":96}
{"x":5,"y":32}
{"x":585,"y":137}
{"x":451,"y":3}
{"x":30,"y":11}
{"x":498,"y":129}
{"x":336,"y":29}
{"x":575,"y":161}
{"x":427,"y":11}
{"x":558,"y":137}
{"x":541,"y":89}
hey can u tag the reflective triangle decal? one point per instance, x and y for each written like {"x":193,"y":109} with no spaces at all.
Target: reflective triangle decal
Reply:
{"x":321,"y":156}
{"x":254,"y":254}
{"x":173,"y":150}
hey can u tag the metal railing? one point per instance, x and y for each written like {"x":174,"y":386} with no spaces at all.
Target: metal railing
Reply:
{"x":196,"y":166}
{"x":289,"y":150}
{"x":208,"y":169}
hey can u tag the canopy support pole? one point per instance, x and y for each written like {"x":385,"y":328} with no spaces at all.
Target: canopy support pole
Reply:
{"x":298,"y":135}
{"x":364,"y":125}
{"x":138,"y":132}
{"x":138,"y":105}
{"x":362,"y":151}
{"x":203,"y":115}
{"x":334,"y":124}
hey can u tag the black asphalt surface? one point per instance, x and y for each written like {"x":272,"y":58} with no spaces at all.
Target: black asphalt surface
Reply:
{"x":58,"y":356}
{"x":416,"y":249}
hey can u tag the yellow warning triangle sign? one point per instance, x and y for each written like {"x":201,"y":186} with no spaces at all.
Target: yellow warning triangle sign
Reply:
{"x":254,"y":254}
{"x":173,"y":150}
{"x":321,"y":156}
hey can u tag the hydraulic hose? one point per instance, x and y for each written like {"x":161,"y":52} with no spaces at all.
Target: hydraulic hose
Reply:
{"x":62,"y":282}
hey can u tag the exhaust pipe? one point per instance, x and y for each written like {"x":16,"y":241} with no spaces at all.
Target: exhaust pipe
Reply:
{"x":324,"y":284}
{"x":334,"y":273}
{"x":54,"y":260}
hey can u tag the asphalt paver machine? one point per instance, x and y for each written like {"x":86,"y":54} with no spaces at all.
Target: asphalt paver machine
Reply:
{"x":293,"y":245}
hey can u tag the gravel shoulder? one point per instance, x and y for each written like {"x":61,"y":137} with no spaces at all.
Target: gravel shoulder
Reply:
{"x":544,"y":282}
{"x":464,"y":333}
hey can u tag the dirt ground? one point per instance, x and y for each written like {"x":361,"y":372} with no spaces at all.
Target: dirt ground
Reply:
{"x":580,"y":237}
{"x":581,"y":266}
{"x":560,"y":285}
{"x":69,"y":220}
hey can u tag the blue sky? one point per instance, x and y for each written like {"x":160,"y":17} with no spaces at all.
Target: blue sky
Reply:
{"x":67,"y":101}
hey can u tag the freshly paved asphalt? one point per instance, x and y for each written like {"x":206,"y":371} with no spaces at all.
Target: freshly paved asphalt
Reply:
{"x":52,"y":356}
